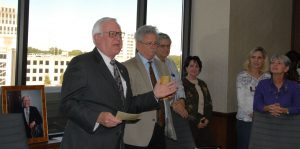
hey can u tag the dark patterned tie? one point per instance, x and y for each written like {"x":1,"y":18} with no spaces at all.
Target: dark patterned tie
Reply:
{"x":117,"y":77}
{"x":152,"y":75}
{"x":160,"y":112}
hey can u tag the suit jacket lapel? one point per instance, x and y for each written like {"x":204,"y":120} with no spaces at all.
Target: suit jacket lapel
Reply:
{"x":143,"y":71}
{"x":104,"y":71}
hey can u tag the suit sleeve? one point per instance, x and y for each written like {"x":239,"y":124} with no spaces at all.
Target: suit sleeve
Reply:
{"x":73,"y":89}
{"x":37,"y":116}
{"x":142,"y":102}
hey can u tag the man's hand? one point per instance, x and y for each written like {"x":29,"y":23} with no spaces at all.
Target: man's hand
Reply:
{"x":179,"y":107}
{"x":164,"y":90}
{"x":32,"y":124}
{"x":108,"y":120}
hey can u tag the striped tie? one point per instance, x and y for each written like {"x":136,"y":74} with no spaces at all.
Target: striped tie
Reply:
{"x":117,"y":77}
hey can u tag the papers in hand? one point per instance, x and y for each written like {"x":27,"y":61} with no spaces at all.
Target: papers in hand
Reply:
{"x":127,"y":116}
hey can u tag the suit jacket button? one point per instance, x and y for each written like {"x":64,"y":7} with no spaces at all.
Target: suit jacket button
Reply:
{"x":153,"y":120}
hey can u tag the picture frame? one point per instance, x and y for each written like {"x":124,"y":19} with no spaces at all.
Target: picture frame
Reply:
{"x":17,"y":99}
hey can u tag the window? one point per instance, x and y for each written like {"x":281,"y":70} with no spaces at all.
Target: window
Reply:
{"x":8,"y":42}
{"x":2,"y":64}
{"x":2,"y":56}
{"x":157,"y":12}
{"x":62,"y":36}
{"x":33,"y":70}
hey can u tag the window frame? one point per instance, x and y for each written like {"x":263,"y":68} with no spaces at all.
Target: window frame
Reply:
{"x":22,"y":37}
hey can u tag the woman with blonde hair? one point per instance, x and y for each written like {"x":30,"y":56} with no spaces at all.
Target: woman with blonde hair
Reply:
{"x":255,"y":69}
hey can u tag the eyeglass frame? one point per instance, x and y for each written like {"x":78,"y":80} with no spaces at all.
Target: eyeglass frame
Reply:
{"x":113,"y":34}
{"x":149,"y":43}
{"x":165,"y":46}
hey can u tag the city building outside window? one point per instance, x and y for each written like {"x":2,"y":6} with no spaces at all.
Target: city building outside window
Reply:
{"x":55,"y":36}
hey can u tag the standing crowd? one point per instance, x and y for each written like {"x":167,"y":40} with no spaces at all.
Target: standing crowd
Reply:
{"x":172,"y":115}
{"x":266,"y":86}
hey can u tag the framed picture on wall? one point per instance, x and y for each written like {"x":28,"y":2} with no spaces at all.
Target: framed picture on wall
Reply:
{"x":29,"y":100}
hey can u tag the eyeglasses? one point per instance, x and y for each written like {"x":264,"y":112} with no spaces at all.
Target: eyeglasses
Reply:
{"x":113,"y":34}
{"x":149,"y":43}
{"x":165,"y":46}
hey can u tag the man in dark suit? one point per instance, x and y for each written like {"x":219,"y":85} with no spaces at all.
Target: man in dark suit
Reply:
{"x":32,"y":119}
{"x":95,"y":87}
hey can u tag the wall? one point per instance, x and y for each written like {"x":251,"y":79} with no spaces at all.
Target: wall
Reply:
{"x":224,"y":31}
{"x":254,"y":23}
{"x":210,"y":41}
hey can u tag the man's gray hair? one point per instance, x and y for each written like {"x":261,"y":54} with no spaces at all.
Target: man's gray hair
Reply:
{"x":97,"y":28}
{"x":143,"y":30}
{"x":162,"y":36}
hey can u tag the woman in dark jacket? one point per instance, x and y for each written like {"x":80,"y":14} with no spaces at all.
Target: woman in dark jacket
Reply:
{"x":198,"y":102}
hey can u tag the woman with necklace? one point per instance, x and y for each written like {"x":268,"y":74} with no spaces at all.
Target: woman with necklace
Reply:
{"x":255,"y":69}
{"x":198,"y":102}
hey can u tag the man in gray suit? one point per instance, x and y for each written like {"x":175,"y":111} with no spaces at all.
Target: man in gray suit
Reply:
{"x":147,"y":133}
{"x":95,"y":87}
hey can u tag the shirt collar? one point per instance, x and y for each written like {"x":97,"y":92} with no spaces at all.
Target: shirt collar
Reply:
{"x":144,"y":60}
{"x":284,"y":86}
{"x":105,"y":58}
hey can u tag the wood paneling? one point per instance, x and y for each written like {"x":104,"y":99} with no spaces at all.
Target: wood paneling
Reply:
{"x":224,"y":130}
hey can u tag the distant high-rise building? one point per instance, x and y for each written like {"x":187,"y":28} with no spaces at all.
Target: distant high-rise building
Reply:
{"x":8,"y":34}
{"x":42,"y":69}
{"x":8,"y":27}
{"x":46,"y":69}
{"x":128,"y":50}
